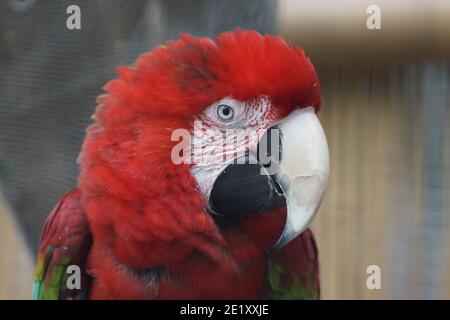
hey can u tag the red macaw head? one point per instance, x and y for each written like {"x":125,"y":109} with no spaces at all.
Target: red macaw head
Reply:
{"x":246,"y":106}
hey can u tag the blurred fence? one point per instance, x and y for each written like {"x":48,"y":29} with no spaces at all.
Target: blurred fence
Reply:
{"x":388,"y":202}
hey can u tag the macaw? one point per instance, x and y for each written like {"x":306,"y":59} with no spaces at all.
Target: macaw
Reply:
{"x":142,"y":225}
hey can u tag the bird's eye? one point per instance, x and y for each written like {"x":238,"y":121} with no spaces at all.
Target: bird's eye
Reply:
{"x":225,"y":112}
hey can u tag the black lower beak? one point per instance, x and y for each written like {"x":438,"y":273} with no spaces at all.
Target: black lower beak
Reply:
{"x":241,"y":190}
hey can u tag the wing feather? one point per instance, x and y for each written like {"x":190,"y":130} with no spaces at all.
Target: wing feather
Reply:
{"x":66,"y":240}
{"x":293,"y":271}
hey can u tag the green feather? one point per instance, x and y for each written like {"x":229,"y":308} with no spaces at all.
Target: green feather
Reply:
{"x":49,"y":278}
{"x":293,"y":289}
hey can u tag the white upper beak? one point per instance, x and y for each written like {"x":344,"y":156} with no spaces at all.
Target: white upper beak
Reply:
{"x":303,"y":171}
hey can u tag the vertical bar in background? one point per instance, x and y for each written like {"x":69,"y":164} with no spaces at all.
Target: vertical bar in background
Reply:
{"x":16,"y":278}
{"x":434,"y":86}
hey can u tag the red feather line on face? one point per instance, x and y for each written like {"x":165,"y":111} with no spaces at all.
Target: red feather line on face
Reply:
{"x":155,"y":215}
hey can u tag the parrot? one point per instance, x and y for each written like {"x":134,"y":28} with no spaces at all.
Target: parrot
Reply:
{"x":228,"y":220}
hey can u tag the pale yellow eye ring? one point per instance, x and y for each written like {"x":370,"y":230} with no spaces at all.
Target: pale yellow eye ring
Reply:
{"x":225,"y":112}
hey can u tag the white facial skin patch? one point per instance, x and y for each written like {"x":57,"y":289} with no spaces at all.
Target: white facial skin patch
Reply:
{"x":218,"y":142}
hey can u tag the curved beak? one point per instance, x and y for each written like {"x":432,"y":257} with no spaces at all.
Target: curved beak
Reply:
{"x":289,"y":171}
{"x":303,"y":170}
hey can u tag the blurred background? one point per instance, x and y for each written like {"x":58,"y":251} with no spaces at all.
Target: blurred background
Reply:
{"x":386,"y":114}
